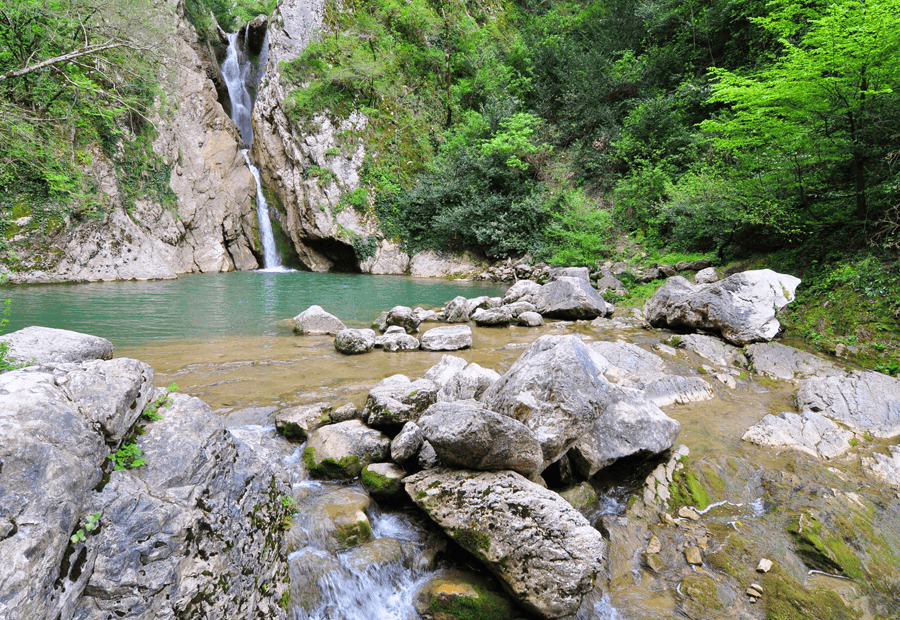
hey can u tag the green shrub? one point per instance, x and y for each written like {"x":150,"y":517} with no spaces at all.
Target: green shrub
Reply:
{"x":580,"y":231}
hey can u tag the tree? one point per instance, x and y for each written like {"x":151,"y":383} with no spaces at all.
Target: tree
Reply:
{"x":816,"y":119}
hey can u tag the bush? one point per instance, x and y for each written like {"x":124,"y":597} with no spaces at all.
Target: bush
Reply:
{"x":579,"y":232}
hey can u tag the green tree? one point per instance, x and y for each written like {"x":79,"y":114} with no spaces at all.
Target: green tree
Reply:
{"x":817,"y":120}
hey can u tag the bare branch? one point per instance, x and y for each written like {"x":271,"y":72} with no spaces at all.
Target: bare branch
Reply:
{"x":93,"y":49}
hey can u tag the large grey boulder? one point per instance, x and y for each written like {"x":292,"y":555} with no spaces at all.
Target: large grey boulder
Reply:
{"x":470,"y":382}
{"x":315,"y":321}
{"x":787,"y":363}
{"x":556,"y":388}
{"x":544,"y":552}
{"x":483,"y":302}
{"x":172,"y":535}
{"x":354,"y":341}
{"x":457,"y":310}
{"x":403,"y":316}
{"x":44,"y":345}
{"x":571,"y":298}
{"x":530,"y":319}
{"x":868,"y":402}
{"x":464,"y":434}
{"x":493,"y":317}
{"x":342,"y":450}
{"x":611,"y":283}
{"x":809,"y":432}
{"x":396,"y":400}
{"x":742,"y":307}
{"x":629,"y":426}
{"x":523,"y":290}
{"x":449,"y":338}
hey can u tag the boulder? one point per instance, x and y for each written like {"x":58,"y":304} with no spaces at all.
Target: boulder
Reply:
{"x":427,"y":457}
{"x":556,"y":389}
{"x":468,"y":383}
{"x":582,"y":497}
{"x":544,"y":551}
{"x":346,"y":412}
{"x":453,"y":594}
{"x":306,"y":567}
{"x":333,"y":521}
{"x":524,"y":290}
{"x":611,"y":283}
{"x":342,"y":450}
{"x":397,"y":341}
{"x":492,"y":317}
{"x":465,"y":435}
{"x":631,"y":425}
{"x":382,"y":480}
{"x":445,"y":370}
{"x":397,"y":400}
{"x":530,"y":319}
{"x":571,"y":298}
{"x":426,"y":316}
{"x":457,"y":310}
{"x":403,"y":316}
{"x":868,"y":402}
{"x":45,"y":345}
{"x":516,"y":308}
{"x":354,"y":341}
{"x":314,"y":320}
{"x":373,"y":554}
{"x":580,"y":273}
{"x":693,"y":265}
{"x":483,"y":303}
{"x":407,"y":443}
{"x":706,"y":276}
{"x":742,"y":307}
{"x":809,"y":432}
{"x":297,"y":423}
{"x":787,"y":363}
{"x":449,"y":338}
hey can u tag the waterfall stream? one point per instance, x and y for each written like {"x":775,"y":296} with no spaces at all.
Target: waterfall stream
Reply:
{"x":237,"y":72}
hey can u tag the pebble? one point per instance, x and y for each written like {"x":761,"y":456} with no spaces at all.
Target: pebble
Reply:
{"x":764,"y":566}
{"x":693,"y":556}
{"x":654,"y":546}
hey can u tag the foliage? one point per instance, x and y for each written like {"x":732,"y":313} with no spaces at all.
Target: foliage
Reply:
{"x":91,"y":522}
{"x":580,"y":231}
{"x":128,"y":456}
{"x":151,"y":411}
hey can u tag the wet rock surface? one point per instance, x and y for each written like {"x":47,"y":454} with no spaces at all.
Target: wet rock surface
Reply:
{"x":42,"y":345}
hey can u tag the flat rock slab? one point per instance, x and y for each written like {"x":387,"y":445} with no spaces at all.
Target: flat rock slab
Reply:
{"x":884,"y":468}
{"x":45,"y":345}
{"x":447,"y":338}
{"x":787,"y":363}
{"x":741,"y":307}
{"x":808,"y":432}
{"x":868,"y":402}
{"x":543,"y":550}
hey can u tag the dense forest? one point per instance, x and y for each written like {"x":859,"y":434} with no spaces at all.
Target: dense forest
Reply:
{"x":762,"y":133}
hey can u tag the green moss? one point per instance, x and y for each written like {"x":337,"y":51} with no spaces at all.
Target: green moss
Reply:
{"x":473,"y":541}
{"x":484,"y":606}
{"x":686,"y":490}
{"x":377,"y":484}
{"x":345,"y":467}
{"x":353,"y":535}
{"x":734,"y":555}
{"x":704,"y":591}
{"x":823,"y":551}
{"x":787,"y":600}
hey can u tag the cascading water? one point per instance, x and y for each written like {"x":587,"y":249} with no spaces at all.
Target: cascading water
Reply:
{"x":236,"y":71}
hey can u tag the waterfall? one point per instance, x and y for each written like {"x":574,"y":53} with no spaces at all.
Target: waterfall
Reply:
{"x":236,"y":71}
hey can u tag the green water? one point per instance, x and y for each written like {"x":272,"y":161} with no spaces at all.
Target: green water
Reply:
{"x":198,"y":307}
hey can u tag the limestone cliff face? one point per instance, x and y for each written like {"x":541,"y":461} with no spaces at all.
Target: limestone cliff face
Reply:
{"x":309,"y":168}
{"x":210,"y":227}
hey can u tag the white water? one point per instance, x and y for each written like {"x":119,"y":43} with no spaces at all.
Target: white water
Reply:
{"x":236,"y":70}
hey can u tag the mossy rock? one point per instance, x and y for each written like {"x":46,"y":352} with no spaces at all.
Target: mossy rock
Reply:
{"x":821,"y":550}
{"x":786,"y":599}
{"x":703,"y":594}
{"x":383,"y":480}
{"x":344,"y":467}
{"x":457,"y":595}
{"x":582,"y":497}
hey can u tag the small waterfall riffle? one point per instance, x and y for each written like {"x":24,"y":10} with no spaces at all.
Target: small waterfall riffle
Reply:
{"x":236,"y":71}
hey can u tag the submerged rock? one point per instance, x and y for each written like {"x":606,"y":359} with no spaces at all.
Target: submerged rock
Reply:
{"x":315,"y":321}
{"x":741,"y":307}
{"x":542,"y":549}
{"x":556,"y":389}
{"x":464,"y":434}
{"x":44,"y":345}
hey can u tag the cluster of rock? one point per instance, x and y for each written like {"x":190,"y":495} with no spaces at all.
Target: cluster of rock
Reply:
{"x":509,"y":271}
{"x":191,"y":533}
{"x":469,"y":447}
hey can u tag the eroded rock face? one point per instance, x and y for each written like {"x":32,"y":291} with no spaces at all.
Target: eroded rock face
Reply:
{"x":864,"y":401}
{"x":741,"y":307}
{"x":43,"y":345}
{"x":432,"y":264}
{"x":543,"y":550}
{"x":286,"y":152}
{"x":809,"y":432}
{"x":556,"y":389}
{"x":464,"y":434}
{"x":787,"y":363}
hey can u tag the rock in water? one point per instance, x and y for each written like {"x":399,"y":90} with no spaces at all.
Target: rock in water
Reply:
{"x":741,"y":307}
{"x":449,"y":338}
{"x":342,"y":450}
{"x":403,"y":316}
{"x":354,"y":341}
{"x":864,"y":401}
{"x":42,"y":345}
{"x":556,"y":388}
{"x":314,"y":320}
{"x":463,"y":434}
{"x":571,"y":298}
{"x":542,"y":549}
